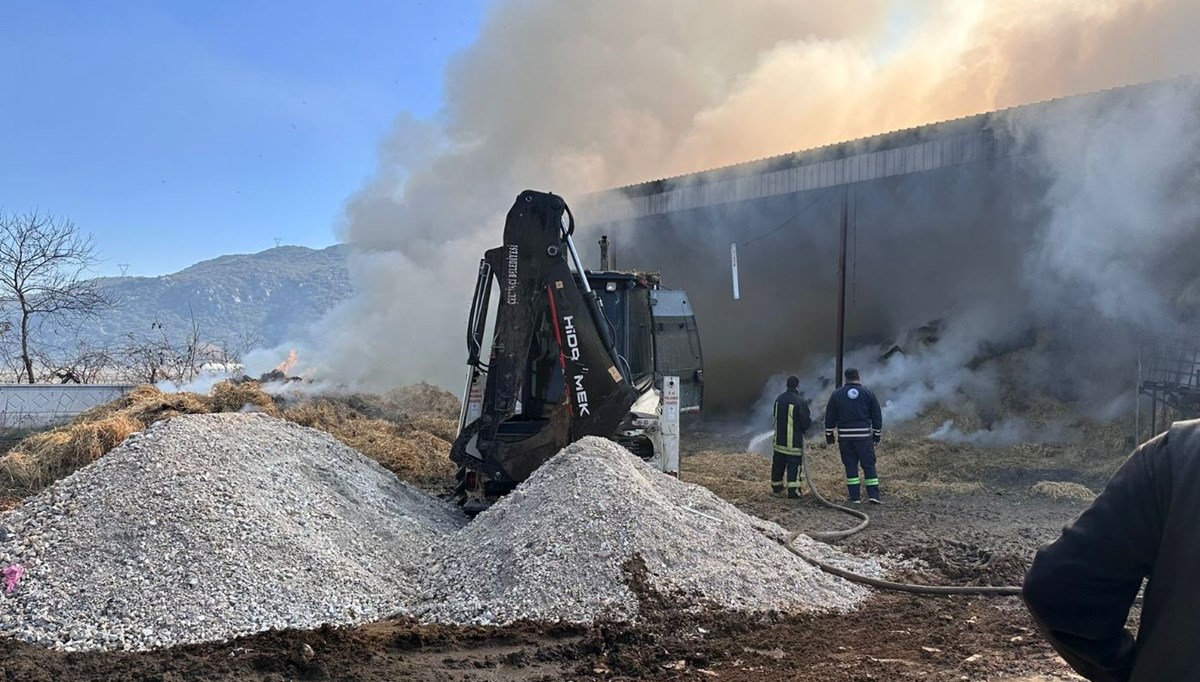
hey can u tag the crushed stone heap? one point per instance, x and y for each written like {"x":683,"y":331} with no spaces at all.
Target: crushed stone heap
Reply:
{"x":212,"y":526}
{"x":555,"y":549}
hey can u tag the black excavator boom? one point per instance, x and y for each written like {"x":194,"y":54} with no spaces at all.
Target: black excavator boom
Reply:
{"x":553,"y":375}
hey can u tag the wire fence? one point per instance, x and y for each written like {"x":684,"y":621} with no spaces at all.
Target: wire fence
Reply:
{"x":1173,"y":361}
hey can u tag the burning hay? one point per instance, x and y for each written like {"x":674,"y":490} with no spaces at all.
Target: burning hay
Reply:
{"x":228,"y":396}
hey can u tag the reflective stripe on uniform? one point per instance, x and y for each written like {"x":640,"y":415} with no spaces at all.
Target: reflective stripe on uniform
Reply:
{"x":853,"y":481}
{"x":791,"y":425}
{"x":791,"y":445}
{"x":872,"y":481}
{"x":777,"y":483}
{"x":793,"y":484}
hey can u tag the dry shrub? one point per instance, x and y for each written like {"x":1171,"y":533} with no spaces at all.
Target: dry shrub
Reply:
{"x":1064,"y":490}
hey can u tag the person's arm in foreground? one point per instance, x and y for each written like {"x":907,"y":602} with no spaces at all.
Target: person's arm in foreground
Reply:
{"x":1080,"y":588}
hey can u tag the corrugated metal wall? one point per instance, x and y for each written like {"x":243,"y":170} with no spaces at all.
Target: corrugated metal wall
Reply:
{"x":684,"y":194}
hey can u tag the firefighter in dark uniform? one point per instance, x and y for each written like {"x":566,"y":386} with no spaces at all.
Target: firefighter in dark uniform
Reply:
{"x":1145,"y":524}
{"x":792,"y":419}
{"x":854,"y":413}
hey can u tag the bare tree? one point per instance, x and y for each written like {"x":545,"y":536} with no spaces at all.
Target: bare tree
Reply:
{"x":43,"y":265}
{"x":160,"y":355}
{"x":230,"y":351}
{"x":84,"y":363}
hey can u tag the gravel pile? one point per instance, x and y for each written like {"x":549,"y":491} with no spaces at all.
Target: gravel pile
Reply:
{"x":555,"y":549}
{"x":212,"y":526}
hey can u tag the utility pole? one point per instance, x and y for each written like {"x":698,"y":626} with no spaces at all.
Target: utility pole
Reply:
{"x":124,"y":268}
{"x":841,"y":308}
{"x":278,"y":241}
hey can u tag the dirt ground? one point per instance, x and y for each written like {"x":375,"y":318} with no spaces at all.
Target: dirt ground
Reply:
{"x":969,"y":514}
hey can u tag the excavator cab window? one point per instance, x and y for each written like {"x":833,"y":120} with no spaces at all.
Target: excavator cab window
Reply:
{"x":677,"y":345}
{"x":627,"y":307}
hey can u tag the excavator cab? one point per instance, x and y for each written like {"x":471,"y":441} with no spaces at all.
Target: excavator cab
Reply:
{"x":573,"y":353}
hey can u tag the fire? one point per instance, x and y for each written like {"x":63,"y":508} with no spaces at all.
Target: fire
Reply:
{"x":287,"y":365}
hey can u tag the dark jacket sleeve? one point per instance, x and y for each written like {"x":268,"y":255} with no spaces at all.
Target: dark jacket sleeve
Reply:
{"x":1080,"y":587}
{"x":805,"y":415}
{"x":831,"y":413}
{"x":876,"y":415}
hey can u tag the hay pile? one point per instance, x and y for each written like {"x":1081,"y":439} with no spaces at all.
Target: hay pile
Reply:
{"x":1064,"y":490}
{"x":414,"y":448}
{"x":408,"y":431}
{"x":43,"y":458}
{"x":425,"y":400}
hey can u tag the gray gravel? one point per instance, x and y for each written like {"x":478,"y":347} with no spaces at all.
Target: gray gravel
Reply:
{"x":214,"y":526}
{"x":555,"y":549}
{"x":209,"y":527}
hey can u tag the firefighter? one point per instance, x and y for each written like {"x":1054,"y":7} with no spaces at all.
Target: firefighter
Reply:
{"x":792,"y":419}
{"x":854,"y":413}
{"x":1144,"y":524}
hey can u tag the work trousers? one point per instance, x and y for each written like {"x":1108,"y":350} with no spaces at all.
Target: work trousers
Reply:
{"x":858,"y":452}
{"x":786,"y":464}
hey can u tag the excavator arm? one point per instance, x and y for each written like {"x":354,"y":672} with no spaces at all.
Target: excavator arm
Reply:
{"x":553,"y":375}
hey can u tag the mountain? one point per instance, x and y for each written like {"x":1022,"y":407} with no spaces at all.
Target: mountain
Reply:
{"x":260,"y":298}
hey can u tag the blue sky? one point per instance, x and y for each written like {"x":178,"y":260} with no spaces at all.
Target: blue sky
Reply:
{"x":179,"y":131}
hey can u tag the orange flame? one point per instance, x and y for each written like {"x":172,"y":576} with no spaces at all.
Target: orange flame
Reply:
{"x":287,"y":365}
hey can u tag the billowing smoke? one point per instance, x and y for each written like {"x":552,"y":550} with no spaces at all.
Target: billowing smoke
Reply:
{"x":577,"y":97}
{"x":1102,"y":265}
{"x":1010,"y":431}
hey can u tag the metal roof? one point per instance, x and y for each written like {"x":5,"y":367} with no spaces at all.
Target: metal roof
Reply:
{"x":912,"y":150}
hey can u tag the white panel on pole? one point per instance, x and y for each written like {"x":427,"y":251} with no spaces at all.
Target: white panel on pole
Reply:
{"x":670,"y":425}
{"x":733,"y":260}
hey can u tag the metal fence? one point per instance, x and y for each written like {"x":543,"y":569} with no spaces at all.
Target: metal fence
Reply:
{"x":25,"y":406}
{"x":1172,"y":362}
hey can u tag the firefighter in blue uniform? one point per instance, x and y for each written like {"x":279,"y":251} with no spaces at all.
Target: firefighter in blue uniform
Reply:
{"x":854,"y":412}
{"x":792,"y":419}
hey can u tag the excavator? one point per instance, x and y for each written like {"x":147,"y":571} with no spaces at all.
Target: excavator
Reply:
{"x":573,"y":353}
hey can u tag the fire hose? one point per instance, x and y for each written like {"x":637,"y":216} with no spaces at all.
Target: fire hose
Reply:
{"x":975,"y":590}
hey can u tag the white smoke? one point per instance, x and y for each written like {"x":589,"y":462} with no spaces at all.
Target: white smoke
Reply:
{"x":1007,"y":432}
{"x":576,"y":97}
{"x":1120,"y":205}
